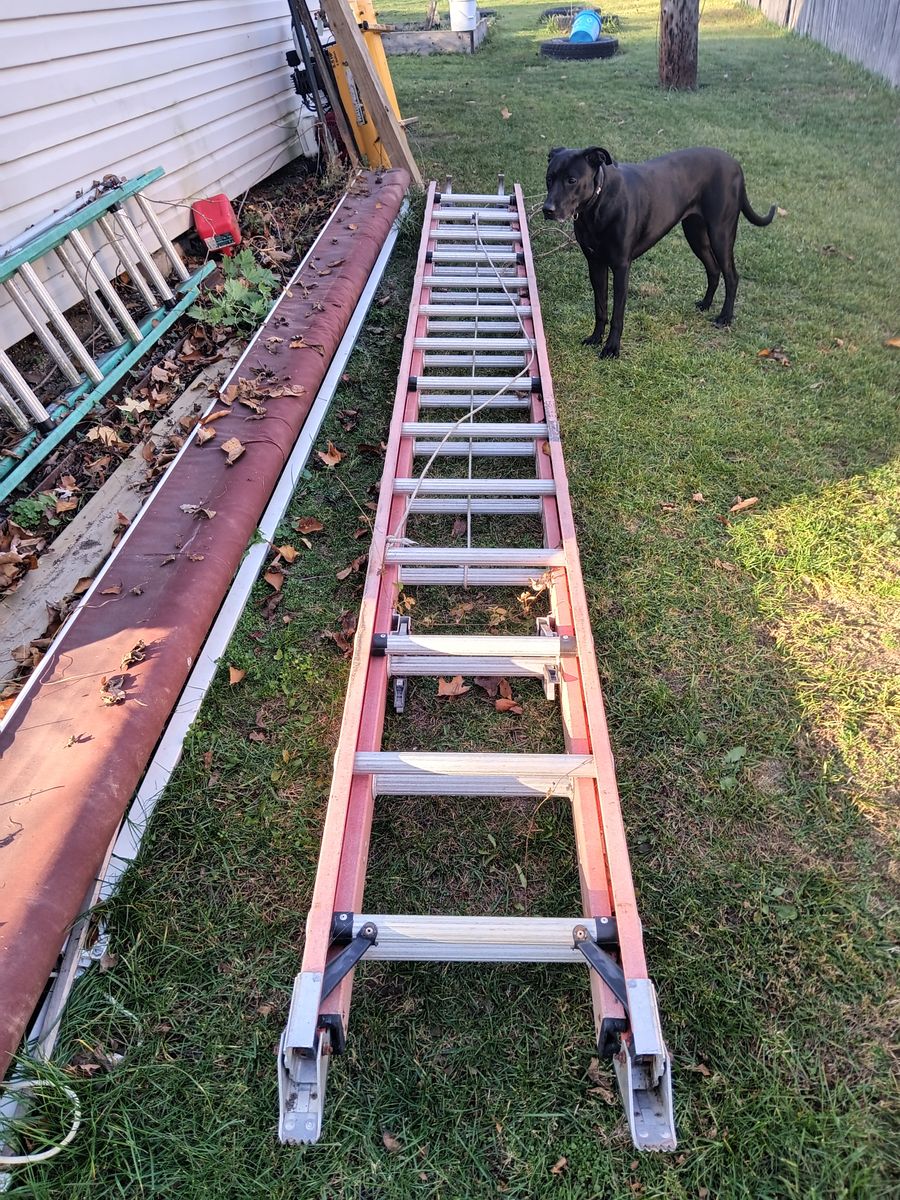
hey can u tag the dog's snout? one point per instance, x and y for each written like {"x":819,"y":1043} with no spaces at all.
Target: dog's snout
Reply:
{"x":549,"y":210}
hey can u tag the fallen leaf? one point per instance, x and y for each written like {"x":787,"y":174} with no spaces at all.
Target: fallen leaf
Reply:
{"x":252,"y":402}
{"x":136,"y":654}
{"x":308,"y":525}
{"x":699,"y":1069}
{"x":782,"y":212}
{"x":739,"y":504}
{"x":330,"y":457}
{"x":893,"y":343}
{"x":488,"y":683}
{"x":354,"y":566}
{"x":459,"y":610}
{"x":460,"y":525}
{"x":668,"y":506}
{"x":506,"y":114}
{"x":235,"y":675}
{"x":724,"y":566}
{"x":452,"y":687}
{"x":507,"y":705}
{"x":204,"y":434}
{"x":234,"y":449}
{"x":63,"y":506}
{"x":274,"y":579}
{"x":774,"y":354}
{"x":159,"y":374}
{"x":106,"y":435}
{"x":107,"y":961}
{"x":288,"y":553}
{"x":559,"y":1166}
{"x":698,"y":498}
{"x":115,"y":590}
{"x":505,"y":689}
{"x":111,"y":689}
{"x":215,"y":416}
{"x":197,"y":510}
{"x":391,"y":1143}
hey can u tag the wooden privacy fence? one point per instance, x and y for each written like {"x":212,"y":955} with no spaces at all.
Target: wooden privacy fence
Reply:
{"x":866,"y":31}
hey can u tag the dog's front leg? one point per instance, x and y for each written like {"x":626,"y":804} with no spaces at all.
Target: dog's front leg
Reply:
{"x":620,"y":294}
{"x":599,"y":273}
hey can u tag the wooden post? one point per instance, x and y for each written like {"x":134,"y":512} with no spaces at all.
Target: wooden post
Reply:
{"x":345,"y":29}
{"x":678,"y":30}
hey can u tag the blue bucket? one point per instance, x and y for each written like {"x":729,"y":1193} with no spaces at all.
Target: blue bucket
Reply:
{"x":586,"y":26}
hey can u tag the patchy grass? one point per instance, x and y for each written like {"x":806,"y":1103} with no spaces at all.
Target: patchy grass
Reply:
{"x":749,"y":661}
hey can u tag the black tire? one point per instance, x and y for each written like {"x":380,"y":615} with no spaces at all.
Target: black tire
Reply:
{"x":605,"y":47}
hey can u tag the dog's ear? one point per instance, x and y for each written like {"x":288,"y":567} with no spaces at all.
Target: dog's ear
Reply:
{"x":597,"y":156}
{"x":551,"y":154}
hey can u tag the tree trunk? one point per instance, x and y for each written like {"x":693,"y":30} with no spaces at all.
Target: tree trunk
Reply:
{"x":678,"y":24}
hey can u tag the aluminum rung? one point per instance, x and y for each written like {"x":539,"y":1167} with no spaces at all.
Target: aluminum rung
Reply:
{"x":472,"y":328}
{"x":492,"y":199}
{"x":466,"y":362}
{"x":459,"y":255}
{"x":481,"y":297}
{"x":497,"y":275}
{"x":465,"y":556}
{"x":487,"y":283}
{"x":495,"y":216}
{"x":473,"y":939}
{"x":475,"y":310}
{"x":543,"y":649}
{"x":475,"y":487}
{"x":391,"y":784}
{"x":483,"y":402}
{"x":485,"y":383}
{"x":466,"y":577}
{"x":467,"y":429}
{"x":508,"y":236}
{"x":450,"y":449}
{"x":473,"y":343}
{"x":458,"y":506}
{"x":432,"y":666}
{"x":449,"y":764}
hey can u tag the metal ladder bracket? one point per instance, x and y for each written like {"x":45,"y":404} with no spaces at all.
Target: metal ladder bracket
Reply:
{"x":400,"y":624}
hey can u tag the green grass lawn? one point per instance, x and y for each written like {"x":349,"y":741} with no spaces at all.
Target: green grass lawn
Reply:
{"x":750,"y":662}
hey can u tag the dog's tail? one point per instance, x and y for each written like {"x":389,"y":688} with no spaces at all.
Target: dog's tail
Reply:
{"x":753,"y":217}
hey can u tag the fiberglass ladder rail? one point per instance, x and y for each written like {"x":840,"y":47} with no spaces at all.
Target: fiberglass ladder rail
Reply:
{"x":468,"y":278}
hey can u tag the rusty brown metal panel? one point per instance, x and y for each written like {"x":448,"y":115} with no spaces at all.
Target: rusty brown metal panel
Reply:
{"x":69,"y":761}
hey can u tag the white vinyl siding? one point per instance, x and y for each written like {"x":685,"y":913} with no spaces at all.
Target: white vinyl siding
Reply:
{"x":96,"y":87}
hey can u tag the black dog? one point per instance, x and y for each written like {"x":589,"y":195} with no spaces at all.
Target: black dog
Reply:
{"x":622,"y":209}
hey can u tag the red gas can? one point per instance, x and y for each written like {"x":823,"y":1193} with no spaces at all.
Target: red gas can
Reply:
{"x":216,"y":223}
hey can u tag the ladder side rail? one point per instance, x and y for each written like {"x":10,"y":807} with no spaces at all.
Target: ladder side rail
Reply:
{"x":631,"y":944}
{"x":324,"y":900}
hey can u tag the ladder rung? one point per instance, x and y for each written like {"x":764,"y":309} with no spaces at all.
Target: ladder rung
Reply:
{"x":459,"y":254}
{"x":390,"y":784}
{"x":496,"y":344}
{"x":448,"y":198}
{"x":483,"y":402}
{"x":464,"y":556}
{"x":465,"y":576}
{"x":475,"y":487}
{"x":502,"y":309}
{"x":474,"y":939}
{"x":544,"y":649}
{"x":434,"y":665}
{"x":483,"y":383}
{"x":484,"y":283}
{"x":500,"y":506}
{"x":507,"y":236}
{"x":466,"y":362}
{"x":476,"y":429}
{"x":468,"y":214}
{"x":474,"y":329}
{"x":451,"y":449}
{"x":452,"y":764}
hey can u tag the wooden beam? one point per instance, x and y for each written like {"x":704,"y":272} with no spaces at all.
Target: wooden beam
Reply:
{"x":345,"y":29}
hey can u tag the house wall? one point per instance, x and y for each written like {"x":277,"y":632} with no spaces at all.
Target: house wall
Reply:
{"x":96,"y":87}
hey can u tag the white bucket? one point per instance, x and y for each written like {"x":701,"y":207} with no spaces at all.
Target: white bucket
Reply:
{"x":463,"y":15}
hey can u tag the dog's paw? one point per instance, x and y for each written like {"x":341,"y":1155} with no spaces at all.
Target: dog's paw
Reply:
{"x":722,"y":322}
{"x":704,"y":305}
{"x":594,"y":340}
{"x":610,"y":351}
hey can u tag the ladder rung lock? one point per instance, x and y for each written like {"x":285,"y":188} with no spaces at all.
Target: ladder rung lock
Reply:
{"x":473,"y":939}
{"x":476,"y":487}
{"x":467,"y":429}
{"x":501,"y":556}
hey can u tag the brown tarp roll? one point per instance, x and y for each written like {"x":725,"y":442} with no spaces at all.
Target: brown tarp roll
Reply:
{"x":70,"y":761}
